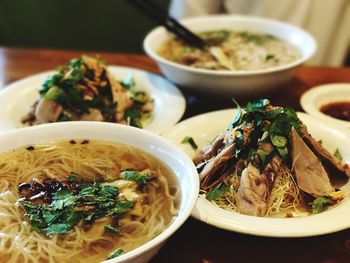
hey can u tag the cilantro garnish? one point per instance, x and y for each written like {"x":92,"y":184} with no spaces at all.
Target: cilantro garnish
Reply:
{"x":338,"y":155}
{"x":115,"y":253}
{"x":111,"y":229}
{"x":218,"y":192}
{"x":128,"y":82}
{"x":320,"y":204}
{"x":190,"y":141}
{"x":67,"y":208}
{"x":132,"y":175}
{"x":133,"y":116}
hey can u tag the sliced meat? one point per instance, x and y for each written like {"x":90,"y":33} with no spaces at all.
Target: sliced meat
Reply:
{"x":328,"y":159}
{"x":310,"y":175}
{"x":215,"y":164}
{"x":271,"y":171}
{"x":30,"y":117}
{"x":120,"y":96}
{"x":222,"y":58}
{"x":211,"y":150}
{"x":253,"y":192}
{"x":93,"y":115}
{"x":266,"y":147}
{"x":47,"y":111}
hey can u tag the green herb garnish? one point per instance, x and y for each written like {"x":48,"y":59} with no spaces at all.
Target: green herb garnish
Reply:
{"x":320,"y":204}
{"x":132,"y":116}
{"x":190,"y":141}
{"x":68,"y":208}
{"x":128,"y":82}
{"x":132,"y":175}
{"x":111,"y":229}
{"x":218,"y":192}
{"x":338,"y":155}
{"x":257,"y":38}
{"x":269,"y":56}
{"x":115,"y":253}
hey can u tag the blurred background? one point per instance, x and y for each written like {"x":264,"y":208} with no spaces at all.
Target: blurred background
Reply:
{"x":107,"y":25}
{"x":98,"y":25}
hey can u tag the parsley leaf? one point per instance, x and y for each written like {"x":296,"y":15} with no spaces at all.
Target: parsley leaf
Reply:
{"x":111,"y":229}
{"x":59,"y":228}
{"x":115,"y":253}
{"x":138,"y":177}
{"x":218,"y":192}
{"x":122,"y":207}
{"x":63,"y":198}
{"x":237,"y":119}
{"x":338,"y":155}
{"x":320,"y":204}
{"x":257,"y":106}
{"x":92,"y":201}
{"x":190,"y":141}
{"x":132,"y":116}
{"x":128,"y":82}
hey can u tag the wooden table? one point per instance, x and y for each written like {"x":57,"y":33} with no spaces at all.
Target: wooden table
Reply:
{"x":196,"y":241}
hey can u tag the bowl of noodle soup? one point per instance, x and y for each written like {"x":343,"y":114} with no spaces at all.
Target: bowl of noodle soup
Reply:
{"x":247,"y":57}
{"x":143,"y":190}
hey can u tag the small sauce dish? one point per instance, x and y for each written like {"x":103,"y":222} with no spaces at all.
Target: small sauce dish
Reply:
{"x":330,"y":102}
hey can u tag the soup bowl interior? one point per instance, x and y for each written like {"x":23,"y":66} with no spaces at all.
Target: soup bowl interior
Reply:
{"x":226,"y":81}
{"x":181,"y":166}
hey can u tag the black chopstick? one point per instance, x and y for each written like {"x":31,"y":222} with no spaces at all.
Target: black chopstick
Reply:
{"x":161,"y":16}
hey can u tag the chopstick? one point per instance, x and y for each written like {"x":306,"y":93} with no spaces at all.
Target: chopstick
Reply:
{"x":160,"y":15}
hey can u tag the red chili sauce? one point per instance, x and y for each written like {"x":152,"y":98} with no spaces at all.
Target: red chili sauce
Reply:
{"x":339,"y":110}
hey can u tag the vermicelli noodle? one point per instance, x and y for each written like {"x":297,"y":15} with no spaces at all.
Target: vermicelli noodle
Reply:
{"x":19,"y":242}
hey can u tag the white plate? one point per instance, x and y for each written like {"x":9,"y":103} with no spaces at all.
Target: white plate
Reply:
{"x":205,"y":127}
{"x":312,"y":100}
{"x":17,"y":98}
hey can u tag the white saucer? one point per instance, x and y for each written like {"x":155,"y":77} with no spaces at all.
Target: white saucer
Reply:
{"x":312,"y":100}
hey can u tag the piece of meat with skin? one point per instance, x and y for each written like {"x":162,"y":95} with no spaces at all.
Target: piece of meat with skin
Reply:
{"x":271,"y":171}
{"x":310,"y":175}
{"x":93,"y":115}
{"x":120,"y":96}
{"x":214,"y":165}
{"x":327,"y":158}
{"x":211,"y":150}
{"x":47,"y":111}
{"x":30,"y":117}
{"x":253,"y":192}
{"x":148,"y":107}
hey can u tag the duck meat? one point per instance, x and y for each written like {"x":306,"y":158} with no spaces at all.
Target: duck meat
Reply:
{"x":207,"y":175}
{"x":311,"y":177}
{"x":328,"y":160}
{"x":255,"y":188}
{"x":211,"y":150}
{"x":47,"y":111}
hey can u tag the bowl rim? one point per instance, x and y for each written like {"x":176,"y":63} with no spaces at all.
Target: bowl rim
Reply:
{"x":309,"y":98}
{"x":160,"y":29}
{"x":51,"y":133}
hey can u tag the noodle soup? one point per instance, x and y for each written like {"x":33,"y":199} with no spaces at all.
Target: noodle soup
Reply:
{"x":81,"y":201}
{"x":232,"y":50}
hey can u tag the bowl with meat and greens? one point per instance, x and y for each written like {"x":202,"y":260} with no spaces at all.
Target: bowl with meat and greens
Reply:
{"x":87,"y":89}
{"x":267,"y":170}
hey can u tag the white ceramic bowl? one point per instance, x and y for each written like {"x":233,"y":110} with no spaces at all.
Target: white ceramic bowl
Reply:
{"x":176,"y":160}
{"x":313,"y":99}
{"x":332,"y":220}
{"x":226,"y":82}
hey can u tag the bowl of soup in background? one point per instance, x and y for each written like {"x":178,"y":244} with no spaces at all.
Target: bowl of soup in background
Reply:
{"x":179,"y":165}
{"x":232,"y":82}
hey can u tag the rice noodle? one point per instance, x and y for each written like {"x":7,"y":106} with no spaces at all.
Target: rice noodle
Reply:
{"x":18,"y":241}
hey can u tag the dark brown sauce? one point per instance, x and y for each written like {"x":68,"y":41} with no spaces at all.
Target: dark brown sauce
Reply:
{"x":339,"y":110}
